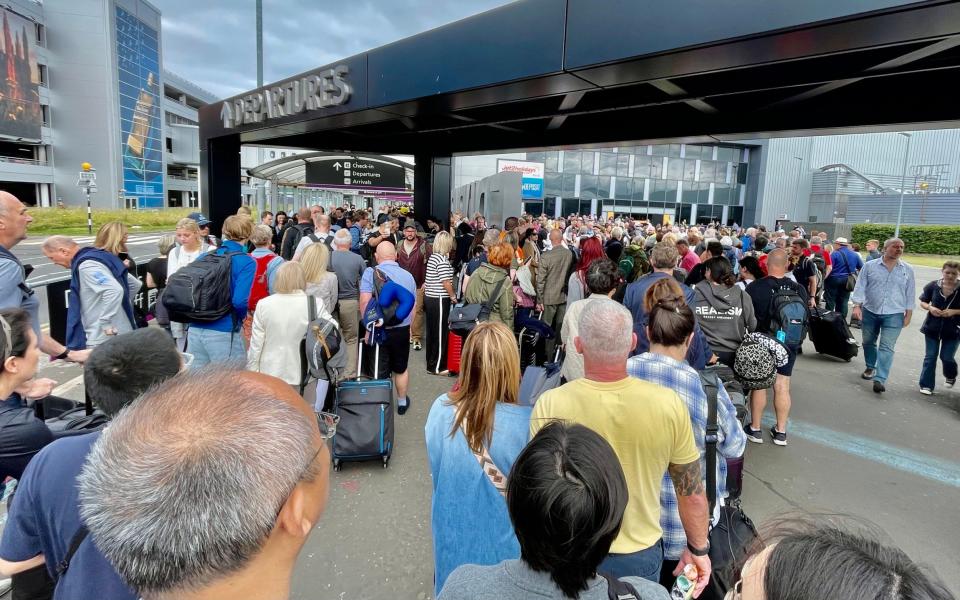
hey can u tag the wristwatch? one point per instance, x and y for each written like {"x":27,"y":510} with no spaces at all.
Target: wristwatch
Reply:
{"x":699,"y":551}
{"x":62,"y":355}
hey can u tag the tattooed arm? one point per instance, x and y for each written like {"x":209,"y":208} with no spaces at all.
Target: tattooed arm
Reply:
{"x":694,"y":514}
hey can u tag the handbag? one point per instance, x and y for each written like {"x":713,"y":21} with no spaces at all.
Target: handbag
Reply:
{"x":464,"y":317}
{"x":733,"y":536}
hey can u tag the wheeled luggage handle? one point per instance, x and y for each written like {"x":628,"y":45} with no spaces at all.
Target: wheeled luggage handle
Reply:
{"x":376,"y":359}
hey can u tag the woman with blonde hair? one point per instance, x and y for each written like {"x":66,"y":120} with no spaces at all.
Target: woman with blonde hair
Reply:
{"x":278,"y":326}
{"x":321,"y":282}
{"x":190,"y":245}
{"x":112,"y":237}
{"x":479,"y":420}
{"x":438,"y":296}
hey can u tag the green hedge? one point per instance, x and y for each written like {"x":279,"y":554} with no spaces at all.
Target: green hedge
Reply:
{"x":919,"y":239}
{"x":53,"y":219}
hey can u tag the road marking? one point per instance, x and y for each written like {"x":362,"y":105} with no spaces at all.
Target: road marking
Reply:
{"x":908,"y":461}
{"x":68,"y":386}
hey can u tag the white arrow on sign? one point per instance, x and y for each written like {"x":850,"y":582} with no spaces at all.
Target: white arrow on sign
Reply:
{"x":337,"y":166}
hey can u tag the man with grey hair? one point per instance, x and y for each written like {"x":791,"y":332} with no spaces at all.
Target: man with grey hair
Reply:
{"x":663,"y":259}
{"x":883,"y":299}
{"x":556,"y":265}
{"x":649,"y":428}
{"x":349,"y":267}
{"x":102,"y":291}
{"x":14,"y":290}
{"x":194,"y":500}
{"x":44,"y":516}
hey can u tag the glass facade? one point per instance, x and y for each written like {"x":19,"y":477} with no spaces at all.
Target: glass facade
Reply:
{"x":668,"y":182}
{"x":138,"y":72}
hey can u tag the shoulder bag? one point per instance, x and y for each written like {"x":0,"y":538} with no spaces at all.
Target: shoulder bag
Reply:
{"x":493,"y":473}
{"x":464,"y":317}
{"x":851,"y":276}
{"x":733,"y":536}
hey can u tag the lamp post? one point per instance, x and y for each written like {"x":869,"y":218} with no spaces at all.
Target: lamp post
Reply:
{"x":903,"y":183}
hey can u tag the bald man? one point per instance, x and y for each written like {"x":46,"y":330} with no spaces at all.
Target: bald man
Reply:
{"x":395,"y":352}
{"x":552,"y":275}
{"x":101,"y":288}
{"x":762,"y":292}
{"x":14,"y":290}
{"x":141,"y":488}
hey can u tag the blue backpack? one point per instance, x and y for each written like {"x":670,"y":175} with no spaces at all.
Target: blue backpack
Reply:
{"x":788,"y":313}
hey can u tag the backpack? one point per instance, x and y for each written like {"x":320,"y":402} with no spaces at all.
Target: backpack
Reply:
{"x":788,"y":313}
{"x":261,"y":283}
{"x":202,"y":291}
{"x":754,"y":365}
{"x":390,"y":318}
{"x":296,"y":234}
{"x":324,"y":352}
{"x":328,"y":241}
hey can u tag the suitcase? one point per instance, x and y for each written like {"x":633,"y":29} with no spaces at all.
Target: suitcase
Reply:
{"x":365,"y":408}
{"x":454,"y":346}
{"x":831,"y":336}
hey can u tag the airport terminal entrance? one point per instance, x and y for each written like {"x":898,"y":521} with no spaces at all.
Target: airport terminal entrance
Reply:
{"x":561,"y":73}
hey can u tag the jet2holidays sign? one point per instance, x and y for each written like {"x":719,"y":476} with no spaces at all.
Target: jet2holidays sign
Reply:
{"x":531,"y":186}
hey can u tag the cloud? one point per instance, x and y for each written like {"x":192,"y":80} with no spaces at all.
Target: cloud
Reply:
{"x":213,"y":43}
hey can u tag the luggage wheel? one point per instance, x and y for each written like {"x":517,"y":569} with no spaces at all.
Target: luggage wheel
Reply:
{"x":386,"y":461}
{"x":337,"y":465}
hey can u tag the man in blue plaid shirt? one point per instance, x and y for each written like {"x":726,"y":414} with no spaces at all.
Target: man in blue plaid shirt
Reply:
{"x":665,"y":366}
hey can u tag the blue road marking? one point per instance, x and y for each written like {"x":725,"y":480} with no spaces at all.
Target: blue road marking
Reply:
{"x":908,"y":461}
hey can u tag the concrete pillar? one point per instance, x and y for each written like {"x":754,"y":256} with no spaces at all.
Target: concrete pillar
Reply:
{"x":220,"y":179}
{"x":432,"y":177}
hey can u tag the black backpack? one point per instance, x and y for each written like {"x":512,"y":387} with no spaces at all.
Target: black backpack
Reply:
{"x":788,"y":313}
{"x":296,"y":234}
{"x":202,"y":291}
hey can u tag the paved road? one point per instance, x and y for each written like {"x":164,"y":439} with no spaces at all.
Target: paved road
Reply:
{"x":141,"y":246}
{"x":892,"y":459}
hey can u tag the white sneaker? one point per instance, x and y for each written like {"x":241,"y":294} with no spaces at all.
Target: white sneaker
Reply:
{"x":926,"y":391}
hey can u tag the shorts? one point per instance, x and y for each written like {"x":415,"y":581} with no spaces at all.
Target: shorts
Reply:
{"x":394,"y":354}
{"x":787,"y":369}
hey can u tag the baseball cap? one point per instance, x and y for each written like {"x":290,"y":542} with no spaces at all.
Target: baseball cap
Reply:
{"x":410,"y":225}
{"x":199,"y":218}
{"x":842,"y":240}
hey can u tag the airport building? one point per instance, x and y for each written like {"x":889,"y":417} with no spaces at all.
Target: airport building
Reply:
{"x":88,"y":86}
{"x":823,"y":179}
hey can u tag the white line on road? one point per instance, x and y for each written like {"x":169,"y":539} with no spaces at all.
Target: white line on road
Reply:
{"x":67,"y":387}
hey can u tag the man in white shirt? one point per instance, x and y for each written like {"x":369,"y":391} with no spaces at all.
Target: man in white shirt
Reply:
{"x":321,"y":234}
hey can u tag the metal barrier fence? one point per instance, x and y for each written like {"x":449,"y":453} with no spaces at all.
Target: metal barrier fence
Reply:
{"x":58,"y":299}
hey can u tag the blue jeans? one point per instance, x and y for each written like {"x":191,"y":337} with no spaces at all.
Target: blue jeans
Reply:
{"x":886,"y":328}
{"x":643,"y":563}
{"x":947,"y":349}
{"x":835,"y":295}
{"x":211,"y":346}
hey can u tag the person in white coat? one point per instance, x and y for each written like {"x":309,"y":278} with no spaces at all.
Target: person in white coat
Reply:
{"x":278,"y":326}
{"x":190,"y":246}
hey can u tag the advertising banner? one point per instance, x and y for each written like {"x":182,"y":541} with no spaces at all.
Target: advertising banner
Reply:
{"x":531,"y":172}
{"x":138,"y":66}
{"x":20,"y":115}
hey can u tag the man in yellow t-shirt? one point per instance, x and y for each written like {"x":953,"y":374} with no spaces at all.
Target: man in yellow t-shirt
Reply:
{"x":649,"y":429}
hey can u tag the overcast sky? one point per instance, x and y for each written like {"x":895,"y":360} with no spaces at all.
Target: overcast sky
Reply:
{"x":213,"y":42}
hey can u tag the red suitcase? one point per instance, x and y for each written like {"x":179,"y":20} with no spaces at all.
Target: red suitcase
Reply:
{"x":454,"y":345}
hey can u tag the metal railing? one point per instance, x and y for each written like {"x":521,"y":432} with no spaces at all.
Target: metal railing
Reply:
{"x":24,"y":161}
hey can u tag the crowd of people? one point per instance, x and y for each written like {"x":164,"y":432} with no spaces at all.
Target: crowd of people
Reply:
{"x":597,"y":489}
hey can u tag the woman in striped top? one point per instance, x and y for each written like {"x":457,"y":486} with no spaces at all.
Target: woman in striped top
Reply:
{"x":438,"y":295}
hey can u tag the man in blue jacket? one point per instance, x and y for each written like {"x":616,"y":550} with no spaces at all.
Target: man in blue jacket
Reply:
{"x":220,"y":340}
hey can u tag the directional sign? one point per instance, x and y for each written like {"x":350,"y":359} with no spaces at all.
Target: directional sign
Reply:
{"x":356,"y":172}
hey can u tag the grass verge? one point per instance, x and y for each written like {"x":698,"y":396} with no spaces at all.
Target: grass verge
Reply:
{"x":73,"y":221}
{"x":929,"y":260}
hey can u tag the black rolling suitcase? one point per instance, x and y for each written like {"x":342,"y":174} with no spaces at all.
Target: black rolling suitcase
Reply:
{"x":831,"y":336}
{"x":365,"y":407}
